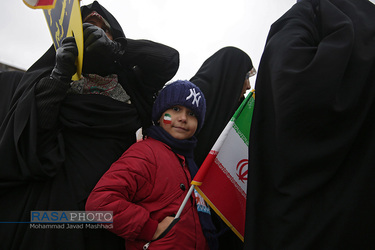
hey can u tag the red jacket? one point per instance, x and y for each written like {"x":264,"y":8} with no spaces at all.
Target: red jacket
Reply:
{"x":147,"y":184}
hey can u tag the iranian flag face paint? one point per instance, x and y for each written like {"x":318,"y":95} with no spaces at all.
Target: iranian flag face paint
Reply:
{"x":179,"y":121}
{"x":167,"y":119}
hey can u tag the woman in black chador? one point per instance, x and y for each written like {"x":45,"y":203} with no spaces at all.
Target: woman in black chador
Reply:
{"x":312,"y":141}
{"x":58,"y":137}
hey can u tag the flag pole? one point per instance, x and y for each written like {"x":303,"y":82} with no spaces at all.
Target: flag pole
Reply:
{"x":185,"y":201}
{"x":175,"y":220}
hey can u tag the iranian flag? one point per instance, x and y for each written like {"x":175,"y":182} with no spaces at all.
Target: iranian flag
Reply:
{"x":40,"y":4}
{"x":222,"y":178}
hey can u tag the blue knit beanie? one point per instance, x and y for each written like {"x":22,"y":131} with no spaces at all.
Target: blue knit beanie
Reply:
{"x":182,"y":93}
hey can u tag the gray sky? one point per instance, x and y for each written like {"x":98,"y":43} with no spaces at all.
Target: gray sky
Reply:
{"x":196,"y":28}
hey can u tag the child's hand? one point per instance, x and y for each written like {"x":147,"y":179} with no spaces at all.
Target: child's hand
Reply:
{"x":162,"y":226}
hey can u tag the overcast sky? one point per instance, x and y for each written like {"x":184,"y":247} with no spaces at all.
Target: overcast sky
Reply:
{"x":196,"y":28}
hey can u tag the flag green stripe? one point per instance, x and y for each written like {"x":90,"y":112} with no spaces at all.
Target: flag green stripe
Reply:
{"x":242,"y":118}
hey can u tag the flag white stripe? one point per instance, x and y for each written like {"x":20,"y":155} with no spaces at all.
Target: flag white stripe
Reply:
{"x":32,"y":2}
{"x":233,"y":151}
{"x":223,"y":136}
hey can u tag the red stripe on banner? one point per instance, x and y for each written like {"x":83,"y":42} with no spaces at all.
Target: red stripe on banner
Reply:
{"x":44,"y":2}
{"x":225,"y":198}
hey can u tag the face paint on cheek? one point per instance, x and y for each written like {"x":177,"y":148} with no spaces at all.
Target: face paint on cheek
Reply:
{"x":167,"y":119}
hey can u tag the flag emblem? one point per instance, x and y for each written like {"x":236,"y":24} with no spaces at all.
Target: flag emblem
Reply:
{"x":242,"y":170}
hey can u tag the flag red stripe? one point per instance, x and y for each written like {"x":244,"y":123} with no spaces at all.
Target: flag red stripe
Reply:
{"x":45,"y":2}
{"x":200,"y":176}
{"x":226,"y":198}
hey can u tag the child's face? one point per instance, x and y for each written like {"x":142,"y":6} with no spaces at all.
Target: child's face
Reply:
{"x":179,"y":121}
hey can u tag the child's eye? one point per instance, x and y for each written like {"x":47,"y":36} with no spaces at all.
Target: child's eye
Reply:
{"x":192,"y":114}
{"x":176,"y":108}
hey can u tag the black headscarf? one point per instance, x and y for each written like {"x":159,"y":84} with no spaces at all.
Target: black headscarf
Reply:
{"x":221,"y":78}
{"x":94,"y":62}
{"x":312,"y":162}
{"x":116,"y":29}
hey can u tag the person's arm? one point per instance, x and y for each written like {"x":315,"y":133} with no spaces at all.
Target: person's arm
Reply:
{"x":154,"y":63}
{"x":49,"y":93}
{"x":127,"y":182}
{"x":51,"y":90}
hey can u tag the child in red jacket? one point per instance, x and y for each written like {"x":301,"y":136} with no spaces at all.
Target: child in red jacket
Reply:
{"x":147,"y":185}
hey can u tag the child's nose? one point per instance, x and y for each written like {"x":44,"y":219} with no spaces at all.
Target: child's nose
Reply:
{"x":183,"y":116}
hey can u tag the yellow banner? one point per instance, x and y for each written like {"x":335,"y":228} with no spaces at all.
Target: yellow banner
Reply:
{"x":65,"y":20}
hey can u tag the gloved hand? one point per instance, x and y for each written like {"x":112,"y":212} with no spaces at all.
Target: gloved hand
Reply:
{"x":96,"y":41}
{"x":66,"y":56}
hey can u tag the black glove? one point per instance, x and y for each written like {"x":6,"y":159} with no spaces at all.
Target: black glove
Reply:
{"x":66,"y":56}
{"x":96,"y":41}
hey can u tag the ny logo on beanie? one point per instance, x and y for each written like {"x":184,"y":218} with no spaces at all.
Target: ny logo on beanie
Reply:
{"x":196,"y":96}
